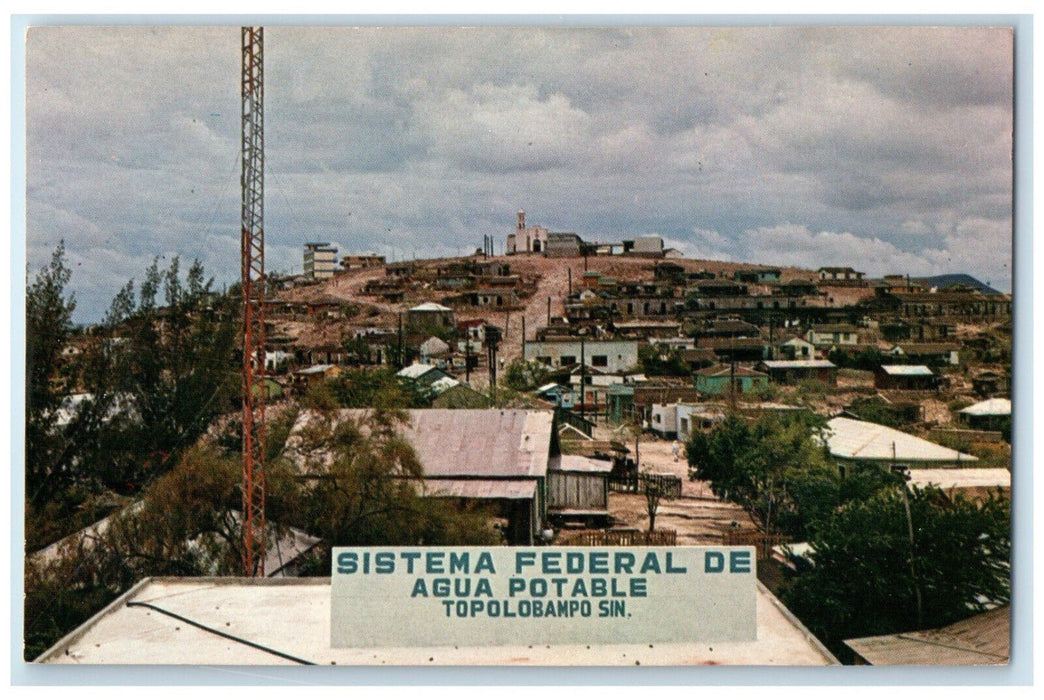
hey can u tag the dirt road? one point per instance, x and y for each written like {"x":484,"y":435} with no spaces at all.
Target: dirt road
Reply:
{"x":698,"y":516}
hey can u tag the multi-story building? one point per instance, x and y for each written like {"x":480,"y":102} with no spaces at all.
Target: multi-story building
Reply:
{"x":606,"y":355}
{"x":320,"y":260}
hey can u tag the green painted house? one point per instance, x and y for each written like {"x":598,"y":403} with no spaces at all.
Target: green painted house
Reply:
{"x":716,"y":379}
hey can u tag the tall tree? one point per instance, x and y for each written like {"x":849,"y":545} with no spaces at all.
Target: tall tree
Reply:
{"x":779,"y":471}
{"x":174,"y":364}
{"x":862,"y":582}
{"x":48,"y":319}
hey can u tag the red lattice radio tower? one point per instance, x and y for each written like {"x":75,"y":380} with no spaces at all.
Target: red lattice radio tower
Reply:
{"x":252,"y":246}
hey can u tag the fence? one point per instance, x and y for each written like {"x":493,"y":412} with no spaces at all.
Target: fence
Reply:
{"x":564,"y":415}
{"x":620,"y":538}
{"x":670,"y":485}
{"x":761,"y":541}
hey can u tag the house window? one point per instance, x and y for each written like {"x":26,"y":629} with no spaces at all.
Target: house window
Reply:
{"x":568,"y":360}
{"x":599,"y":360}
{"x":544,"y":360}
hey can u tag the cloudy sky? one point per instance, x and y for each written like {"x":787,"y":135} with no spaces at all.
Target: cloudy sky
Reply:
{"x":887,"y":149}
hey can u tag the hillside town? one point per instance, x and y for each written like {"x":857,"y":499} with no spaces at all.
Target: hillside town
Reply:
{"x":560,"y":386}
{"x":735,"y":391}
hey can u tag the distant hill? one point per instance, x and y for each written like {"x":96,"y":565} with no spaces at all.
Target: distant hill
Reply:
{"x":940,"y":281}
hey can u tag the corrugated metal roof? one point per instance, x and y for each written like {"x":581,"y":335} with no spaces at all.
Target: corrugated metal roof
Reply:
{"x":444,"y":384}
{"x":989,"y":407}
{"x":481,"y":488}
{"x":727,"y":371}
{"x":906,"y":370}
{"x":315,"y":369}
{"x":284,"y":549}
{"x":799,"y":364}
{"x":415,"y":371}
{"x":961,"y":478}
{"x":478,"y":442}
{"x":856,"y":439}
{"x":434,"y":345}
{"x":431,"y":306}
{"x":576,"y":463}
{"x":981,"y":640}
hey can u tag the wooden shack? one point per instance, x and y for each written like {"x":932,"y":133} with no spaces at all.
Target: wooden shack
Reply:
{"x":578,"y":490}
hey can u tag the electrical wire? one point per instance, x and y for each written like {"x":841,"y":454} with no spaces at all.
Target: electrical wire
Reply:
{"x":261,"y":647}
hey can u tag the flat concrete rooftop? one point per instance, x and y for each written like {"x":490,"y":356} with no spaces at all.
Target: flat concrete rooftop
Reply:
{"x":292,"y":617}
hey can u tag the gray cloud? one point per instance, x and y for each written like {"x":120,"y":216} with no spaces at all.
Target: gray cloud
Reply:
{"x":886,"y":148}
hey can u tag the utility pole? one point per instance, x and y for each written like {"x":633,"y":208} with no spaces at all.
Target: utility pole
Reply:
{"x":398,"y":355}
{"x":252,"y":260}
{"x":467,"y":357}
{"x":583,"y":388}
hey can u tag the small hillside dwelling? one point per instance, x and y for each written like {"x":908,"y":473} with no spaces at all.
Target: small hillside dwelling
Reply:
{"x":316,"y":374}
{"x":905,"y":378}
{"x":422,"y":374}
{"x":499,"y":457}
{"x":432,"y":349}
{"x":928,"y":353}
{"x":559,"y":395}
{"x":718,"y":379}
{"x":795,"y":348}
{"x":851,"y":440}
{"x":825,"y":336}
{"x":726,"y":328}
{"x":430,"y":315}
{"x":696,"y":416}
{"x":991,"y":414}
{"x":698,"y":358}
{"x":980,"y":640}
{"x":356,"y":262}
{"x":578,"y":490}
{"x":663,"y":420}
{"x":277,"y":360}
{"x":564,"y":245}
{"x":762,"y":276}
{"x":989,"y":383}
{"x":619,"y":403}
{"x":651,"y":246}
{"x":839,"y":274}
{"x":794,"y":371}
{"x":320,"y":261}
{"x":611,"y":356}
{"x":734,"y":349}
{"x":473,"y":329}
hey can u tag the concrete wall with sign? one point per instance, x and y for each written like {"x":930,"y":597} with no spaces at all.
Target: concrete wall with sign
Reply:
{"x":501,"y":596}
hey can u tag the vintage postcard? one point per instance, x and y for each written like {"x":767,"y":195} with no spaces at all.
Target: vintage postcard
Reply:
{"x":519,"y":345}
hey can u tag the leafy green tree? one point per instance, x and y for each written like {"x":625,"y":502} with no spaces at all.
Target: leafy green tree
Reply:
{"x":364,"y":486}
{"x":657,"y":360}
{"x":380,"y":388}
{"x":525,"y":375}
{"x":868,"y":578}
{"x":866,"y":358}
{"x":49,"y":465}
{"x":174,"y":365}
{"x":778,"y":470}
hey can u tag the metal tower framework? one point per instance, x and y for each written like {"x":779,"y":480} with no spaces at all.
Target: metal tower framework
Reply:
{"x":252,"y":248}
